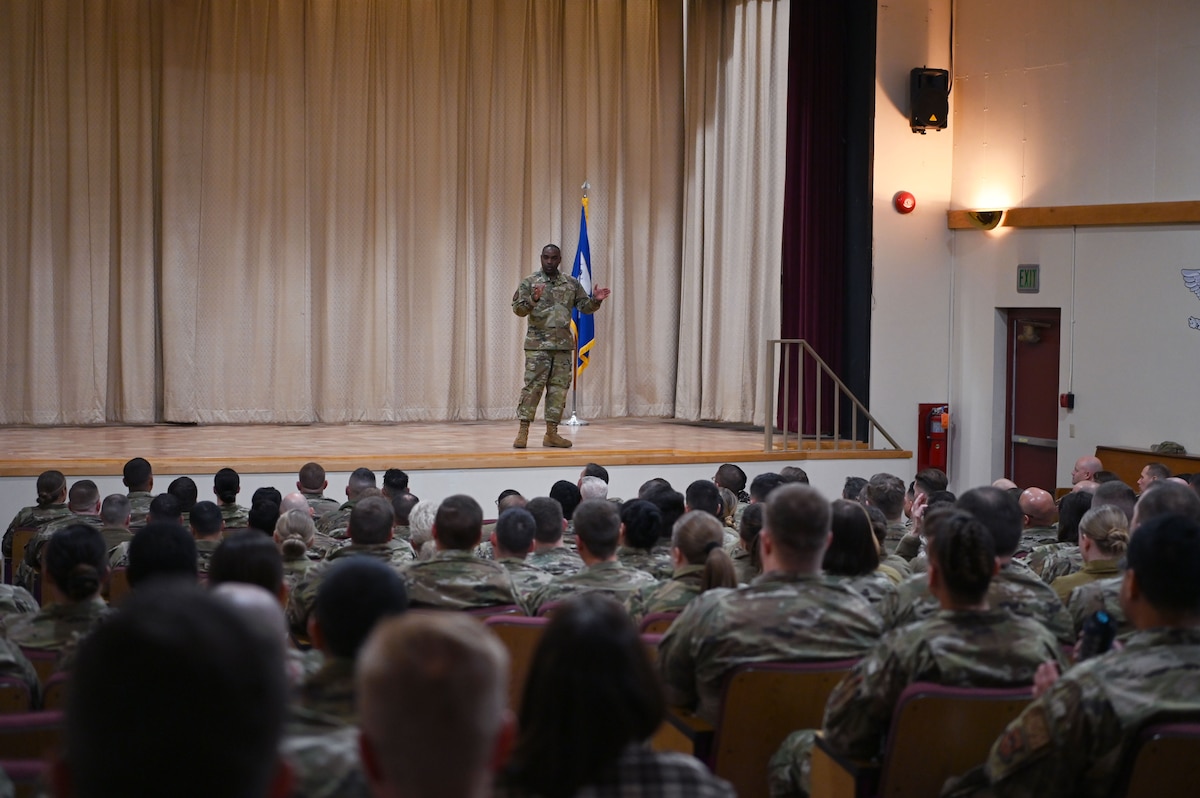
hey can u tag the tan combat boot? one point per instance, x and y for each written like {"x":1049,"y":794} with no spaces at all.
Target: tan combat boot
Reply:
{"x":522,"y":436}
{"x":553,"y":438}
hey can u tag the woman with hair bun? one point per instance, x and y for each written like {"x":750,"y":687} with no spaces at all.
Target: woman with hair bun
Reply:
{"x":1103,"y":539}
{"x":294,"y":535}
{"x":76,"y":565}
{"x":51,"y":506}
{"x":700,"y":564}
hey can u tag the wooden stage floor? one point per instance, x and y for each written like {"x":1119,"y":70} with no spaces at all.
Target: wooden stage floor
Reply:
{"x":183,"y":449}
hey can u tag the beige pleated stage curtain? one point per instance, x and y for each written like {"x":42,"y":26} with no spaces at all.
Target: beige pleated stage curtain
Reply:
{"x":278,"y":211}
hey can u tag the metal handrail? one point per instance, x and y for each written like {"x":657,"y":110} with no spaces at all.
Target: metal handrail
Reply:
{"x":769,"y":394}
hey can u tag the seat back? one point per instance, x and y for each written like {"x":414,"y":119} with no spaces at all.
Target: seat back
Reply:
{"x":520,"y":636}
{"x":118,"y":585}
{"x":761,"y":704}
{"x":495,"y":609}
{"x":548,"y":609}
{"x":21,"y":538}
{"x":44,"y":661}
{"x":29,"y":735}
{"x":968,"y":721}
{"x":27,"y":775}
{"x":54,"y":691}
{"x":14,"y":695}
{"x":1165,"y":760}
{"x":657,"y":622}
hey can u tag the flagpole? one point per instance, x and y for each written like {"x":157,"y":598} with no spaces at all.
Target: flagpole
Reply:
{"x":575,"y":420}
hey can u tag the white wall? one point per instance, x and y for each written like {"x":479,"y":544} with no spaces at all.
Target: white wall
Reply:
{"x":1055,"y":102}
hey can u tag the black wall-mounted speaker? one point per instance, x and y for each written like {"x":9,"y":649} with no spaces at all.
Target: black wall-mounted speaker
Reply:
{"x":929,"y":99}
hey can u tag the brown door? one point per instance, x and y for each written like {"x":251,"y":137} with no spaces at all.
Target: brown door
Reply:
{"x":1031,"y":430}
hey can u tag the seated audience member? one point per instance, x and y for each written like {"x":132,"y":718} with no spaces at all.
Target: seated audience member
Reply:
{"x":671,"y":507}
{"x":263,"y":516}
{"x":1015,"y":588}
{"x":1151,"y":473}
{"x":852,"y":488}
{"x":598,"y":528}
{"x":335,"y":522}
{"x":653,"y":484}
{"x":763,"y":485}
{"x":593,"y":741}
{"x":887,"y":493}
{"x":402,"y":507}
{"x":1103,"y":538}
{"x":593,"y":470}
{"x":75,"y":569}
{"x":700,"y":564}
{"x":83,"y":500}
{"x":1116,"y":493}
{"x":294,"y":534}
{"x":512,"y":540}
{"x":207,"y":526}
{"x":164,"y":508}
{"x":169,"y":677}
{"x":114,"y":521}
{"x":454,"y":578}
{"x":251,"y":557}
{"x":911,"y":549}
{"x":507,"y":500}
{"x":747,"y":563}
{"x":267,"y":493}
{"x":1041,"y":521}
{"x":732,"y":477}
{"x":705,"y":495}
{"x":138,"y":477}
{"x":853,"y":553}
{"x":893,"y":566}
{"x":395,"y":483}
{"x":640,"y":522}
{"x":261,"y":608}
{"x":312,"y":484}
{"x":1086,"y":468}
{"x":1074,"y":738}
{"x":184,"y":489}
{"x":567,"y":494}
{"x":729,"y":508}
{"x":51,"y":505}
{"x":432,"y":696}
{"x":420,"y":525}
{"x":227,"y":484}
{"x":1059,"y":559}
{"x":592,"y":488}
{"x":928,"y":481}
{"x":549,"y":552}
{"x":793,"y":474}
{"x":966,"y":644}
{"x":1106,"y":476}
{"x":370,"y":528}
{"x":161,"y":551}
{"x":791,"y":613}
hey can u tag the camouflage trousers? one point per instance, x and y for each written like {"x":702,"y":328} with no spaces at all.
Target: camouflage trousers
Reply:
{"x":548,"y":369}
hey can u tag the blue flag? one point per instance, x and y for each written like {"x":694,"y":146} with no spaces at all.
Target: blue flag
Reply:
{"x":583,"y":326}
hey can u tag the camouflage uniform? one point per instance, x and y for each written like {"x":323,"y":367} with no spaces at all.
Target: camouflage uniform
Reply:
{"x":779,"y":617}
{"x":204,"y":553}
{"x":557,"y":561}
{"x":741,"y":565}
{"x":395,"y":553}
{"x":526,"y":578}
{"x":34,"y":517}
{"x":336,"y":523}
{"x":235,"y":516}
{"x":896,"y":530}
{"x":458,"y":580}
{"x":139,"y":507}
{"x":608,"y":577}
{"x":1103,"y":594}
{"x":909,"y":546}
{"x":1054,"y":560}
{"x":1033,"y":537}
{"x":325,"y":764}
{"x":670,"y":596}
{"x":320,"y":504}
{"x":31,"y":563}
{"x":57,"y":626}
{"x":1015,"y":588}
{"x":326,"y":698}
{"x":875,"y":587}
{"x":549,"y":344}
{"x":1092,"y":572}
{"x":295,"y":571}
{"x":16,"y":600}
{"x":1073,"y":740}
{"x":114,"y":536}
{"x":641,"y":559}
{"x":953,"y":648}
{"x":898,"y":564}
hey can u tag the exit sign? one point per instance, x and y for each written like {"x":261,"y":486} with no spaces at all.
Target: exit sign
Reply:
{"x":1028,"y":278}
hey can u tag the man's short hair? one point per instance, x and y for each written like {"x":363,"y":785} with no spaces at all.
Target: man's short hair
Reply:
{"x":671,"y":506}
{"x":163,"y":549}
{"x":83,"y":495}
{"x":1166,"y":498}
{"x":360,"y":480}
{"x":164,"y":507}
{"x":731,"y":476}
{"x":205,"y":519}
{"x":402,"y":505}
{"x":763,"y":485}
{"x":598,"y":525}
{"x":595,"y":470}
{"x":262,"y":516}
{"x":509,"y":499}
{"x":567,"y":495}
{"x":432,"y":689}
{"x":115,"y":509}
{"x":1105,"y":476}
{"x":643,"y":522}
{"x":459,"y":522}
{"x":312,"y":477}
{"x":184,"y":489}
{"x":593,"y":488}
{"x":930,"y":479}
{"x":395,"y":481}
{"x":169,"y":677}
{"x":371,"y":520}
{"x":137,"y":474}
{"x":852,"y":488}
{"x":651,"y":485}
{"x":1000,"y":512}
{"x":1116,"y":493}
{"x":515,"y":529}
{"x":798,"y":518}
{"x":1158,"y":470}
{"x":1164,"y":555}
{"x":548,"y":516}
{"x":790,"y":474}
{"x":886,"y":492}
{"x":248,"y":556}
{"x":267,"y":493}
{"x":703,"y":494}
{"x":356,"y":593}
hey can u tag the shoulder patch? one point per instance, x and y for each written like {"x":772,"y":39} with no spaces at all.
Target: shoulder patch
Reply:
{"x":1026,"y":738}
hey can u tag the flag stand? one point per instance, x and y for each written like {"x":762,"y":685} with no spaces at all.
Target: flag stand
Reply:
{"x":574,"y":420}
{"x":582,"y":251}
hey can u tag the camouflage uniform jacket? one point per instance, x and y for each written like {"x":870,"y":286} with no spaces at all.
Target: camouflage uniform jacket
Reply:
{"x":14,"y":663}
{"x":875,"y":587}
{"x":670,"y":596}
{"x":654,"y":564}
{"x":16,"y":600}
{"x":639,"y":771}
{"x":139,"y":507}
{"x":118,"y":556}
{"x":558,"y":561}
{"x":909,"y":546}
{"x":32,"y":518}
{"x":204,"y":553}
{"x":609,"y":577}
{"x":326,"y":698}
{"x":325,"y":764}
{"x":235,"y":516}
{"x":114,"y":536}
{"x":550,"y":317}
{"x":900,"y":565}
{"x":779,"y":617}
{"x":320,"y":504}
{"x":302,"y":598}
{"x":1073,"y":740}
{"x":1092,"y":572}
{"x":336,"y":523}
{"x":1054,"y":560}
{"x":1033,"y":537}
{"x":1015,"y":588}
{"x":742,"y":566}
{"x":896,"y":530}
{"x":295,"y":571}
{"x":526,"y":578}
{"x":458,"y":580}
{"x":1103,"y":594}
{"x":57,"y":626}
{"x":31,"y":564}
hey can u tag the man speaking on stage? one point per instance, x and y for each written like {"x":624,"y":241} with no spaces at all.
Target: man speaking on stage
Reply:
{"x":547,"y":297}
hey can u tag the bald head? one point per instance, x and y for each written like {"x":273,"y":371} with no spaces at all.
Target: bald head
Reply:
{"x":1038,"y":507}
{"x":294,"y":501}
{"x":1085,"y":468}
{"x":1004,"y":484}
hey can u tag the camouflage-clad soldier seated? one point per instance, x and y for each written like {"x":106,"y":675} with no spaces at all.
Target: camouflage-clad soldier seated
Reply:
{"x":853,"y":553}
{"x":51,"y":505}
{"x":640,"y":524}
{"x":598,"y":528}
{"x":746,"y":561}
{"x":700,"y":565}
{"x":454,"y":578}
{"x":227,"y":484}
{"x":360,"y":485}
{"x":512,"y":540}
{"x":1103,"y":537}
{"x":312,"y":485}
{"x":294,"y":535}
{"x":84,"y":503}
{"x":206,"y":525}
{"x":138,"y":477}
{"x":163,"y":509}
{"x":549,"y":553}
{"x":790,"y":613}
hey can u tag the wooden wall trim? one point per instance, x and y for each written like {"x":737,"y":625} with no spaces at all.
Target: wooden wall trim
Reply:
{"x":1134,"y":213}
